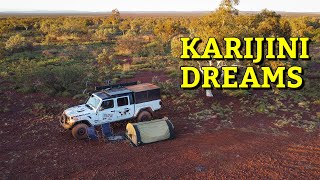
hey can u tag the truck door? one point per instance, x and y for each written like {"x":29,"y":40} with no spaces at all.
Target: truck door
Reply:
{"x":124,"y":110}
{"x":107,"y":111}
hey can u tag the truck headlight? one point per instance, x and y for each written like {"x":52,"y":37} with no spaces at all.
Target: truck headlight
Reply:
{"x":63,"y":118}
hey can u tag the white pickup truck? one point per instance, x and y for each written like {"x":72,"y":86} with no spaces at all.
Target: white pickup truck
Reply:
{"x":111,"y":104}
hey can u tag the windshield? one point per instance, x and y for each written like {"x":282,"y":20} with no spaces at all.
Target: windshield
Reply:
{"x":93,"y":101}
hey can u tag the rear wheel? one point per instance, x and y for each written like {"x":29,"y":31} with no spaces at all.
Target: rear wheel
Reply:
{"x":80,"y":131}
{"x":144,"y":116}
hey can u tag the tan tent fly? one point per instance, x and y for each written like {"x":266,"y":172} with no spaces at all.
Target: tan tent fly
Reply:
{"x":150,"y":131}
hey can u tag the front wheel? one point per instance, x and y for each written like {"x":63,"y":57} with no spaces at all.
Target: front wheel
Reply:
{"x":80,"y":131}
{"x":144,"y":116}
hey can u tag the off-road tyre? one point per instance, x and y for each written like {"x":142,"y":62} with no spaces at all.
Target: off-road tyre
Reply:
{"x":144,"y":116}
{"x":79,"y":131}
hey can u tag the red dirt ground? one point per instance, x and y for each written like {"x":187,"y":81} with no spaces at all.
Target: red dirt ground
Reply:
{"x":34,"y":146}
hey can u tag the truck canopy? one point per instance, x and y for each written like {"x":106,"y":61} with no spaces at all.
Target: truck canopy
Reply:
{"x":145,"y":92}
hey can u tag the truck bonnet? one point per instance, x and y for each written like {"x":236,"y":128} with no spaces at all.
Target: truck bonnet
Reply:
{"x":77,"y":111}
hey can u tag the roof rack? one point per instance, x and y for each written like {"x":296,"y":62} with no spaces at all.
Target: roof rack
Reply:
{"x":98,"y":88}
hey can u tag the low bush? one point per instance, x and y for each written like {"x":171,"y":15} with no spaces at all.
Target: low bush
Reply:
{"x":17,"y":43}
{"x":102,"y":35}
{"x":65,"y":80}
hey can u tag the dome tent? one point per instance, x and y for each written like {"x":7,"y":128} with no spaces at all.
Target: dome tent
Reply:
{"x":150,"y":131}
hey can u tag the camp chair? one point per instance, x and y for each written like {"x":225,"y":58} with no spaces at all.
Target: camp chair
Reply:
{"x":92,"y":133}
{"x":107,"y":133}
{"x":106,"y":130}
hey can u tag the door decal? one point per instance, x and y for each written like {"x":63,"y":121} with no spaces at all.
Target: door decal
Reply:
{"x":107,"y":117}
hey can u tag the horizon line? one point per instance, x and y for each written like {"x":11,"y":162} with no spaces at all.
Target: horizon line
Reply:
{"x":131,"y":11}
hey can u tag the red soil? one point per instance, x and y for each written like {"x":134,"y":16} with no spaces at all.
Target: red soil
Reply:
{"x":34,"y":146}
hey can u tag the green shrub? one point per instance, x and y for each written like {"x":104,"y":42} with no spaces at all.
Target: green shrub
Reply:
{"x":65,"y":79}
{"x":104,"y":58}
{"x":17,"y":43}
{"x":151,"y":49}
{"x":102,"y":34}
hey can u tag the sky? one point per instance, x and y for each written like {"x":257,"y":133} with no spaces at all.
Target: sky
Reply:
{"x":156,"y":5}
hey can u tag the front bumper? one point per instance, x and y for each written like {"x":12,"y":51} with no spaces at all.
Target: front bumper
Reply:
{"x":65,"y":121}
